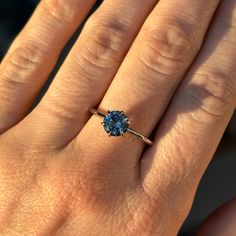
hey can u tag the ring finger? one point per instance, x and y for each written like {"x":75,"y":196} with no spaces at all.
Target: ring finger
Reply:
{"x":166,"y":46}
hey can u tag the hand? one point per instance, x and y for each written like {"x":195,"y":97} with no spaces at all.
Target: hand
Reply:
{"x":60,"y":173}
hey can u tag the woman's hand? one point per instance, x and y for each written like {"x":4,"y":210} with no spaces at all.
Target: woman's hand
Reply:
{"x":60,"y":173}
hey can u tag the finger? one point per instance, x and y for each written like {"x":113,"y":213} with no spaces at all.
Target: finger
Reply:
{"x":89,"y":68}
{"x":189,"y":133}
{"x":33,"y":55}
{"x":220,"y":222}
{"x":145,"y":82}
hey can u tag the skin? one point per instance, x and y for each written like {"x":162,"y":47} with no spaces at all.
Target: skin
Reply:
{"x":170,"y":63}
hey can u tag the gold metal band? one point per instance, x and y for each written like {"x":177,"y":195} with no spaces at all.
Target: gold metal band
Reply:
{"x":144,"y":138}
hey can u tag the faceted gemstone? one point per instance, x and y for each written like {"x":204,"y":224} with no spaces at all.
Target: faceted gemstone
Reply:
{"x":115,"y":123}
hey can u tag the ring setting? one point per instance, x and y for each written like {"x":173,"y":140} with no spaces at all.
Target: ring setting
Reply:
{"x":116,"y":123}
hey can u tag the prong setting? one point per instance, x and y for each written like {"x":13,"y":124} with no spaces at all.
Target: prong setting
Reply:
{"x":116,"y":123}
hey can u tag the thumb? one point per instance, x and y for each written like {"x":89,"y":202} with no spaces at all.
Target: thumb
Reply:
{"x":220,"y":222}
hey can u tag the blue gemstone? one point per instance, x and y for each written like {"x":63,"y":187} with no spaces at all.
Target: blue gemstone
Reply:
{"x":115,"y":123}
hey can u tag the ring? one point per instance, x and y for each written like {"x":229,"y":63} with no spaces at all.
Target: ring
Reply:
{"x":116,"y":123}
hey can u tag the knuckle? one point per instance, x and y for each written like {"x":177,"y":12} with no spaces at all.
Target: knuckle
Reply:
{"x":59,"y":10}
{"x":213,"y":93}
{"x":24,"y":62}
{"x":105,"y":41}
{"x":166,"y":49}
